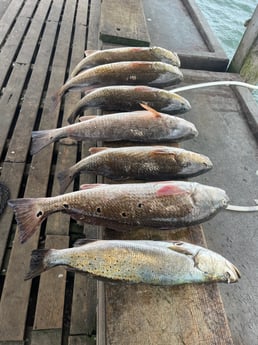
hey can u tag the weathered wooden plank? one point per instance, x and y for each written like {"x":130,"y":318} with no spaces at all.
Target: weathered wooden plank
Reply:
{"x":81,"y":340}
{"x":123,"y":22}
{"x":51,"y":294}
{"x":83,"y":314}
{"x":190,"y":314}
{"x":47,"y":337}
{"x":169,"y":26}
{"x":4,"y":6}
{"x":11,"y":174}
{"x":8,"y":17}
{"x":13,"y":325}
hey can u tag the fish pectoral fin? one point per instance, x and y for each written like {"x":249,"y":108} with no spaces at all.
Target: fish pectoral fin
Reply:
{"x":162,"y":151}
{"x":177,"y":247}
{"x":89,"y":52}
{"x":83,"y":241}
{"x":94,"y":150}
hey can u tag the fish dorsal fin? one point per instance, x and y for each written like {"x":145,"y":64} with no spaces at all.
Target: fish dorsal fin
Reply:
{"x":169,"y":189}
{"x":93,"y":150}
{"x":89,"y":52}
{"x":87,"y":117}
{"x":150,"y":109}
{"x":82,"y":241}
{"x":90,"y":186}
{"x":176,"y":246}
{"x":162,"y":151}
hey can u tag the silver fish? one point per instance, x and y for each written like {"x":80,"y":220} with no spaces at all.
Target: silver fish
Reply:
{"x":140,"y":126}
{"x":153,"y":163}
{"x":129,"y":98}
{"x":123,"y":207}
{"x":99,"y":57}
{"x":147,"y":262}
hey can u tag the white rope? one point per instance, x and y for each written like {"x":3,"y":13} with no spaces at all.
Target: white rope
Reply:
{"x":242,"y":208}
{"x":214,"y":83}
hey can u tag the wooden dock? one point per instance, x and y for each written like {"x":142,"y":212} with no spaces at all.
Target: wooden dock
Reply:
{"x":40,"y":42}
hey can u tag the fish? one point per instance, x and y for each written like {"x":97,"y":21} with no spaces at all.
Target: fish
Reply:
{"x":130,"y":98}
{"x":100,"y":57}
{"x":153,"y":163}
{"x":158,"y":74}
{"x":138,"y":262}
{"x":140,"y":126}
{"x":162,"y":205}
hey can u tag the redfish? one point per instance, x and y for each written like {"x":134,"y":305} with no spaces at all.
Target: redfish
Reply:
{"x":139,"y":126}
{"x":143,"y":261}
{"x":123,"y":207}
{"x":153,"y":163}
{"x":99,"y":57}
{"x":130,"y":98}
{"x":157,"y":74}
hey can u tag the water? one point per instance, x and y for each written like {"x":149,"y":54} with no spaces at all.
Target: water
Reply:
{"x":226,"y":19}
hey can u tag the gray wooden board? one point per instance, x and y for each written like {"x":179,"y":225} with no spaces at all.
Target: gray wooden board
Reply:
{"x":123,"y":22}
{"x":169,"y":26}
{"x":50,"y":300}
{"x":8,"y":17}
{"x":13,"y":322}
{"x":81,"y":340}
{"x":47,"y":337}
{"x":83,"y":315}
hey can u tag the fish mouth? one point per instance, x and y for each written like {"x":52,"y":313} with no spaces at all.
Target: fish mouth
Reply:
{"x":232,"y":273}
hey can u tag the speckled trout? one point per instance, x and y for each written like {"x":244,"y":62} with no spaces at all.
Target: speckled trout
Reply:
{"x":146,"y":262}
{"x":100,"y":57}
{"x":129,"y":98}
{"x":153,"y":163}
{"x":139,"y":126}
{"x":158,"y":74}
{"x":123,"y":207}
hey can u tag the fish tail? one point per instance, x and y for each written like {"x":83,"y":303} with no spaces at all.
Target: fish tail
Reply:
{"x":41,"y":139}
{"x":28,"y":216}
{"x":65,"y":177}
{"x":56,"y":98}
{"x":38,"y":263}
{"x":72,"y":117}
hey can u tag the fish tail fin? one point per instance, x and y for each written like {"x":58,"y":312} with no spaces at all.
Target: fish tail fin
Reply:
{"x":72,"y":117}
{"x":56,"y":98}
{"x":28,"y":214}
{"x":41,"y":139}
{"x":38,"y":263}
{"x":65,"y":177}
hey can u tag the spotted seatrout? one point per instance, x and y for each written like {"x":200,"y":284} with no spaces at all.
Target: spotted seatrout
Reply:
{"x":153,"y":163}
{"x":122,"y":207}
{"x":147,"y":262}
{"x":139,"y":126}
{"x":99,"y":57}
{"x":157,"y":74}
{"x":129,"y":98}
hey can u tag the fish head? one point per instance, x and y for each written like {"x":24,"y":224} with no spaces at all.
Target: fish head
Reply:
{"x":176,"y":104}
{"x":210,"y":199}
{"x":215,"y":267}
{"x":194,"y":164}
{"x":182,"y":129}
{"x":165,"y":56}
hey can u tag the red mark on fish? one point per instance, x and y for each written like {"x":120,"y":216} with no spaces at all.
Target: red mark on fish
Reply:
{"x":169,"y":190}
